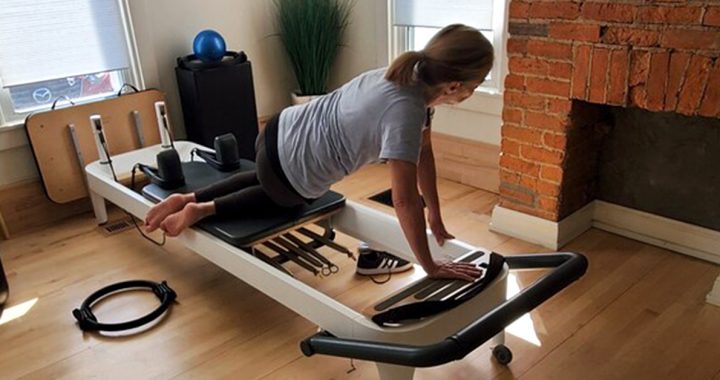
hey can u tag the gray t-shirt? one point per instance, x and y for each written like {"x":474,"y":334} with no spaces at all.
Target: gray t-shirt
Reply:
{"x":369,"y":119}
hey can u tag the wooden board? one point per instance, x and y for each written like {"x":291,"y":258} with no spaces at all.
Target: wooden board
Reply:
{"x":62,"y":175}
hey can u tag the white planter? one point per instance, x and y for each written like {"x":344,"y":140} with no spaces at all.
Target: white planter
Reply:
{"x":302,"y":99}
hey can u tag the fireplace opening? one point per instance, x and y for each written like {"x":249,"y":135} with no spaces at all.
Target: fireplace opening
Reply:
{"x":662,"y":163}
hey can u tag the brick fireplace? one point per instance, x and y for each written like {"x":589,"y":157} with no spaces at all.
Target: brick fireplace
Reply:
{"x":655,"y":55}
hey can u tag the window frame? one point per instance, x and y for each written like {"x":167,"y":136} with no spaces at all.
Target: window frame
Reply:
{"x":399,"y":41}
{"x":133,"y":74}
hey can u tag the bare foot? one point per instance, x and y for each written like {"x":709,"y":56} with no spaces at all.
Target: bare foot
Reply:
{"x":176,"y":223}
{"x":167,"y":206}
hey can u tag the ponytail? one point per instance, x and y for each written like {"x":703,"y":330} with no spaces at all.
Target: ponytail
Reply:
{"x":402,"y":70}
{"x":456,"y":53}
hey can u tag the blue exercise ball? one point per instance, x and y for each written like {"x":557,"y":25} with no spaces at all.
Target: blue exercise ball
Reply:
{"x":209,"y":45}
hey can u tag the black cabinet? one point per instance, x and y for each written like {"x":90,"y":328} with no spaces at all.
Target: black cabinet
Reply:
{"x":217,"y":98}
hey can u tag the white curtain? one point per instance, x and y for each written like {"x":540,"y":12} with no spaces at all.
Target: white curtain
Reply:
{"x":50,"y":39}
{"x":439,"y":13}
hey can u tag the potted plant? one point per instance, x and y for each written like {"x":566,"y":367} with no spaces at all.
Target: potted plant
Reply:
{"x":312,"y":33}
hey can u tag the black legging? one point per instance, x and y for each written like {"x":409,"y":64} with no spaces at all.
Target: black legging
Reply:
{"x":256,"y":190}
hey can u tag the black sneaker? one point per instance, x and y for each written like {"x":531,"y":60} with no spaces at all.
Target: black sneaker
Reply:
{"x":371,"y":262}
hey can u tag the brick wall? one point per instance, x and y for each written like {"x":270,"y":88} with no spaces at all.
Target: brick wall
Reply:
{"x":659,"y":55}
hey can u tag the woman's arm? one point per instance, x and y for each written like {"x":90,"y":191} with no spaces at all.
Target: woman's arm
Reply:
{"x":427,"y":180}
{"x":408,"y":208}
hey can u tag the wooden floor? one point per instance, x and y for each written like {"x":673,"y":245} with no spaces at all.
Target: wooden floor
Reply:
{"x":638,"y":313}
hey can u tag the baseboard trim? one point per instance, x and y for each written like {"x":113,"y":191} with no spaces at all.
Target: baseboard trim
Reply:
{"x":714,"y":296}
{"x":25,"y":207}
{"x":689,"y":239}
{"x":540,"y":231}
{"x":699,"y":242}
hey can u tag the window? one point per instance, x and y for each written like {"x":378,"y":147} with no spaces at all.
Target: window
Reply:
{"x":61,"y":49}
{"x":414,"y":22}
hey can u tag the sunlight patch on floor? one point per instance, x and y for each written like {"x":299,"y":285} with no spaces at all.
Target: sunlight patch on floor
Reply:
{"x":17,"y":311}
{"x":523,"y":328}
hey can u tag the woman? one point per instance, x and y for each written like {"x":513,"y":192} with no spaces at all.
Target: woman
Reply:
{"x":381,"y":115}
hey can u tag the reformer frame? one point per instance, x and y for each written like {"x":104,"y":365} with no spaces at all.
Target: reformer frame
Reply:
{"x":345,"y":331}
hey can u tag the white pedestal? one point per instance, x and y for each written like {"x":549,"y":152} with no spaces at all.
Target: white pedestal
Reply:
{"x":713,"y":297}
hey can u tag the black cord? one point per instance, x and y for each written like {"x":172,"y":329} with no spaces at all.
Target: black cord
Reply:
{"x":60,"y":98}
{"x":380,"y":282}
{"x":167,"y":129}
{"x":126,"y":85}
{"x":132,"y":186}
{"x":352,"y":366}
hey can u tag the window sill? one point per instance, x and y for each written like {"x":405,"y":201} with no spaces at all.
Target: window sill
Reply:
{"x":12,"y":136}
{"x":485,"y":101}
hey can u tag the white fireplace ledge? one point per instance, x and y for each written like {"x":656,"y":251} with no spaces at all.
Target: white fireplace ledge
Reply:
{"x":677,"y":236}
{"x":714,"y":296}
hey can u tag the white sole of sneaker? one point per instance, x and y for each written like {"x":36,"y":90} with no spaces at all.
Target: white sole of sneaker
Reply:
{"x":374,"y":271}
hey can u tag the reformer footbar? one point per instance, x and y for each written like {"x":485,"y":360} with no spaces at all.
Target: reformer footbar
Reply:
{"x":432,"y":340}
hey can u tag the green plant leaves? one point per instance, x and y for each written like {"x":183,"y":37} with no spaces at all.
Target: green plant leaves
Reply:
{"x":312,"y":32}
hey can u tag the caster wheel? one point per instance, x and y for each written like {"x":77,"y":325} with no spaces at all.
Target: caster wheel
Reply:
{"x":502,"y":354}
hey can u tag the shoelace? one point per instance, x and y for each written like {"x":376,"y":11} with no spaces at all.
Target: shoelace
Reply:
{"x":390,"y":263}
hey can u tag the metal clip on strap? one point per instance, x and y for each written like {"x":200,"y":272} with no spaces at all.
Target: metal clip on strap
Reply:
{"x":88,"y":322}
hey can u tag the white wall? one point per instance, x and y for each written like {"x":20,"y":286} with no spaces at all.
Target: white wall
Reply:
{"x":164,"y":30}
{"x":16,"y":160}
{"x":478,"y":119}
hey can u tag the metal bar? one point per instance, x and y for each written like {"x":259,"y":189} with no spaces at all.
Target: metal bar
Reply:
{"x":262,"y":256}
{"x":293,"y":257}
{"x":78,"y":151}
{"x":450,"y":289}
{"x":294,"y":239}
{"x":76,"y":145}
{"x":288,"y":245}
{"x":324,"y":240}
{"x":138,"y":128}
{"x":434,"y":287}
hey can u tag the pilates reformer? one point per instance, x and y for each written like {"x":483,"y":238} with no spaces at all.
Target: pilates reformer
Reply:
{"x":397,"y":348}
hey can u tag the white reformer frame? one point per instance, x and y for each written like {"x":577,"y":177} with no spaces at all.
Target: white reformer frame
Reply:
{"x":361,"y":222}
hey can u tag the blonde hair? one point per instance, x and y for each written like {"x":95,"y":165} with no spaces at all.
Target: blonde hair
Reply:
{"x":456,"y":53}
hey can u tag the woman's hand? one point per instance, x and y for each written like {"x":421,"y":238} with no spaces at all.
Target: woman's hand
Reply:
{"x":452,"y":270}
{"x":438,"y":229}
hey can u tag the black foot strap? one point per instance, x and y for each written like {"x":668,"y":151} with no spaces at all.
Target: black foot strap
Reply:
{"x":88,"y":322}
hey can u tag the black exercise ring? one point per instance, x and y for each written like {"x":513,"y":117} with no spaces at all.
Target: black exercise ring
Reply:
{"x":88,"y":322}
